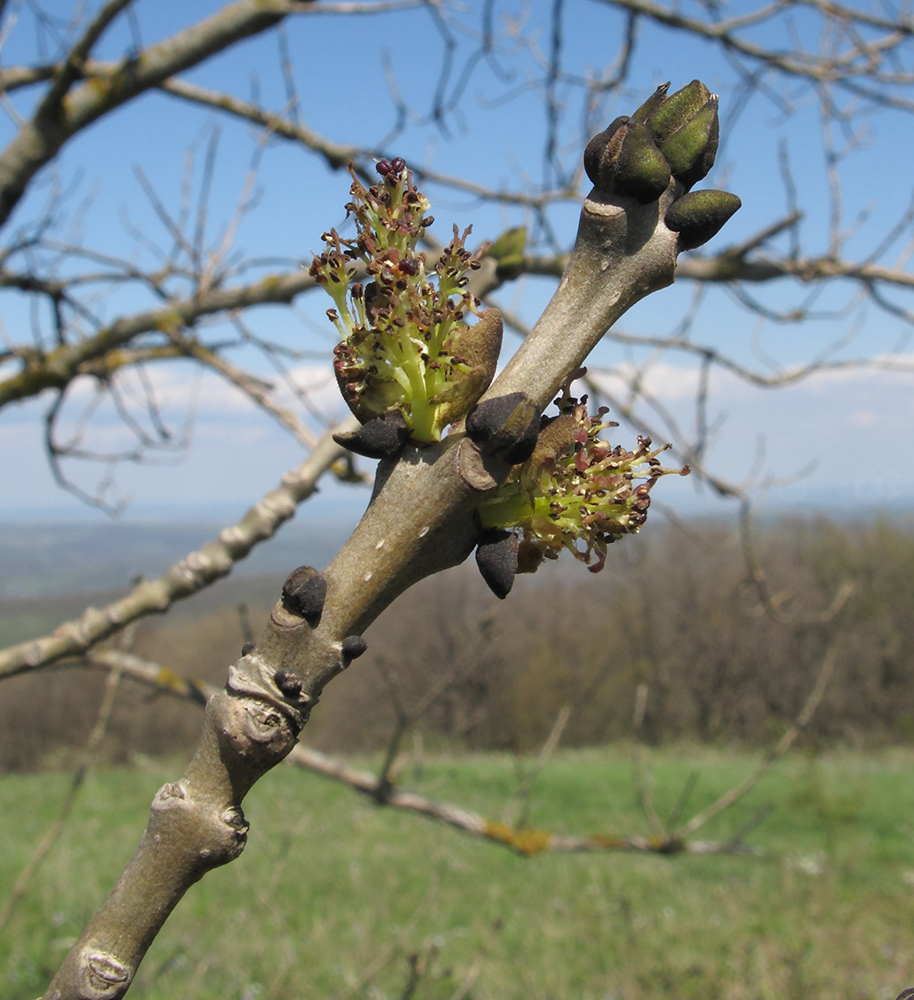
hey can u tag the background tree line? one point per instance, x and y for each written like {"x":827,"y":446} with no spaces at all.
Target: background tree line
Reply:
{"x":681,"y":620}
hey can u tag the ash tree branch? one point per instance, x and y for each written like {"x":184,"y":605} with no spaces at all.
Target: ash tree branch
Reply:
{"x":421,"y":520}
{"x":55,"y":369}
{"x":859,"y":58}
{"x":732,"y":265}
{"x":340,"y":155}
{"x":252,"y":387}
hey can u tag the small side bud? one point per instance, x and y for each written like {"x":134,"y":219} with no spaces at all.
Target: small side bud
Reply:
{"x":677,"y":109}
{"x":690,"y":150}
{"x":640,"y":168}
{"x":496,"y":557}
{"x":505,"y":427}
{"x":304,"y":593}
{"x":248,"y":648}
{"x":380,"y":437}
{"x":598,"y":149}
{"x":508,"y":251}
{"x":289,"y":683}
{"x":699,"y":215}
{"x":353,"y":646}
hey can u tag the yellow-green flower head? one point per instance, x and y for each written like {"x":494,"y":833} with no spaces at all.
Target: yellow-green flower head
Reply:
{"x":405,"y":344}
{"x":577,"y":491}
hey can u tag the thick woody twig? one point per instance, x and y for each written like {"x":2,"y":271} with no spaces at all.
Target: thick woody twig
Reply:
{"x":195,"y":571}
{"x":419,"y":522}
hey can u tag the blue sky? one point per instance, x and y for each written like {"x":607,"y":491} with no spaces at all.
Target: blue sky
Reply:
{"x":850,"y":434}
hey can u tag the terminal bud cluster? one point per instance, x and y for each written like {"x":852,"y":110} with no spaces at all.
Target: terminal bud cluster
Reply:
{"x":670,"y":137}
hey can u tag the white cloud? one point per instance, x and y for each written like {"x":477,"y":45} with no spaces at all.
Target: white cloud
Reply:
{"x":863,"y":418}
{"x":237,"y":451}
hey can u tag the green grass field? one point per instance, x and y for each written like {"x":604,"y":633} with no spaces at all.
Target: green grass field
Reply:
{"x":334,"y":894}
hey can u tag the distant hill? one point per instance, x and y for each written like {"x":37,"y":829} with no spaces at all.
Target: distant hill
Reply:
{"x":53,"y":558}
{"x":47,"y":556}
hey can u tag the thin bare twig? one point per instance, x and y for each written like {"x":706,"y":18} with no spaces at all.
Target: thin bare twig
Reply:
{"x":799,"y":724}
{"x":197,"y":570}
{"x":523,"y":794}
{"x":524,"y":841}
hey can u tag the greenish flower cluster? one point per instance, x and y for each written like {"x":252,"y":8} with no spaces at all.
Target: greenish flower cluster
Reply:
{"x":406,"y":346}
{"x":577,"y":491}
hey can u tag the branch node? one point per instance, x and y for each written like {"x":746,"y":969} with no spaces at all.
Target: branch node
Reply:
{"x":104,"y":977}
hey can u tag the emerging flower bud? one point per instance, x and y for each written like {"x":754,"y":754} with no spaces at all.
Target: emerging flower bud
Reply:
{"x":675,"y":134}
{"x":670,"y":136}
{"x":576,"y":491}
{"x":691,"y":148}
{"x":405,"y":347}
{"x":674,"y":111}
{"x":625,"y":158}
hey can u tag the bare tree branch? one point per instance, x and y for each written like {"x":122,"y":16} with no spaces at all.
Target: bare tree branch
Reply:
{"x":69,"y":106}
{"x":197,"y":570}
{"x":59,"y":367}
{"x":518,"y":837}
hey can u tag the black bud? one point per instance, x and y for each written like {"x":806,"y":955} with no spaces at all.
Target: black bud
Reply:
{"x":506,"y":427}
{"x":354,"y":646}
{"x":248,"y":647}
{"x":304,"y":593}
{"x":496,"y":557}
{"x":594,"y":152}
{"x":381,"y":437}
{"x":288,"y":682}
